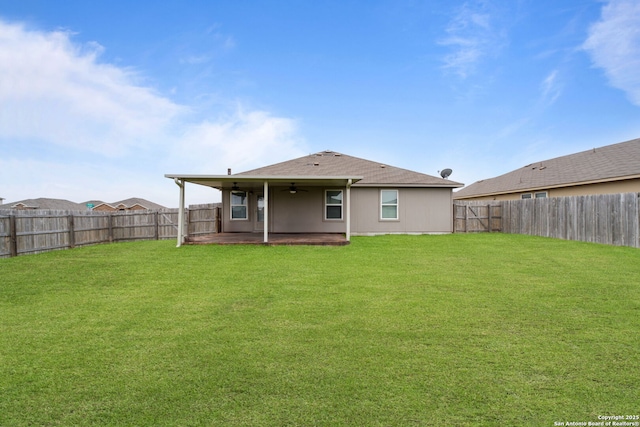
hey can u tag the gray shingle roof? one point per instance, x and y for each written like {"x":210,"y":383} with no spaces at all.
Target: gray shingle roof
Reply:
{"x":136,"y":200}
{"x":330,"y":163}
{"x":66,"y":205}
{"x":611,"y":162}
{"x":46,"y":203}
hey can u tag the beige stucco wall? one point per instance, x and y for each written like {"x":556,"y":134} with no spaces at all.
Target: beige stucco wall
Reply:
{"x":420,"y":210}
{"x":625,"y":186}
{"x":302,"y":212}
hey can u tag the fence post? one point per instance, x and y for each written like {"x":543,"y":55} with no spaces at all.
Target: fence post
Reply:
{"x":466,"y":218}
{"x":156,"y":231}
{"x":110,"y":227}
{"x":453,"y":219}
{"x":489,"y":225}
{"x":72,"y":236}
{"x":13,"y":236}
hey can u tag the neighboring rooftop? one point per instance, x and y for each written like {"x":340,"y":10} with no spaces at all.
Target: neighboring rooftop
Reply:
{"x":66,"y":205}
{"x":609,"y":163}
{"x":146,"y":204}
{"x":331,"y":163}
{"x":44,"y":203}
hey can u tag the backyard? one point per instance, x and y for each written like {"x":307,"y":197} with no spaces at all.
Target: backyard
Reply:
{"x":465,"y":330}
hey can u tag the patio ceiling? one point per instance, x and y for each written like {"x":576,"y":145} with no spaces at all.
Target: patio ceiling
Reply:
{"x":226,"y":182}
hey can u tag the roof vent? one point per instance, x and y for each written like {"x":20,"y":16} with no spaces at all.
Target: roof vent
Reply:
{"x":383,"y":166}
{"x":316,"y":164}
{"x":337,"y":154}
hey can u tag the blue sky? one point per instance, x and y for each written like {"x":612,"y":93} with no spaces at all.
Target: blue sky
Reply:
{"x":99,"y":99}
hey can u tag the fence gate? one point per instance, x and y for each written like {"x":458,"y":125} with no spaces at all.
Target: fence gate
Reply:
{"x":477,"y":217}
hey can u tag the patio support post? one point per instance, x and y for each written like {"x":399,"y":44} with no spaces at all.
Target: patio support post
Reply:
{"x":180,"y":184}
{"x":348,"y":213}
{"x":266,"y":212}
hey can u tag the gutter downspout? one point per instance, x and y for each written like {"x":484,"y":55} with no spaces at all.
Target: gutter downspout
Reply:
{"x":348,"y":233}
{"x":180,"y":184}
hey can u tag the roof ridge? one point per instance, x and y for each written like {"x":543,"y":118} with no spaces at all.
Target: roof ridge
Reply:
{"x":333,"y":163}
{"x":608,"y":162}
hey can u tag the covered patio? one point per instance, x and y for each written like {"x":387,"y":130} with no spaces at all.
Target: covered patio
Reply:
{"x":262,"y":186}
{"x":274,"y":239}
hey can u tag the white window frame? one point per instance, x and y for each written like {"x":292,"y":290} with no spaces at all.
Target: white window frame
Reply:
{"x":396,"y":205}
{"x":541,"y":195}
{"x":526,"y":196}
{"x":341,"y":204}
{"x":245,"y":204}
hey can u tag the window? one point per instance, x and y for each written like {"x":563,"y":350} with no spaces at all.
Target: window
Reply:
{"x":525,"y":196}
{"x":389,"y":204}
{"x":239,"y":205}
{"x":541,"y":195}
{"x":333,"y":204}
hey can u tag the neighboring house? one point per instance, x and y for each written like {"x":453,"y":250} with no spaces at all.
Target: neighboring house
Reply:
{"x":604,"y":170}
{"x":96,"y":205}
{"x":133,"y":204}
{"x":44,"y":203}
{"x":329,"y":192}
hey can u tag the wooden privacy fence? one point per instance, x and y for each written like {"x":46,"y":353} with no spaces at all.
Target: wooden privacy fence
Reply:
{"x":473,"y":217}
{"x":611,"y":219}
{"x":28,"y":232}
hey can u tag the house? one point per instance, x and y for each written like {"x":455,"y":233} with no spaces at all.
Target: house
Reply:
{"x":132,"y":204}
{"x":96,"y":205}
{"x":329,"y":192}
{"x":604,"y":170}
{"x":44,"y":203}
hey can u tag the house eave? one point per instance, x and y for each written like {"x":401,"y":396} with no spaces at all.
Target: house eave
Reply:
{"x":222,"y":182}
{"x":547,"y":187}
{"x":405,"y":185}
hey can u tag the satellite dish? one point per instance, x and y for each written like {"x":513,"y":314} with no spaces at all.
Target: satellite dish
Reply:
{"x":445,"y":173}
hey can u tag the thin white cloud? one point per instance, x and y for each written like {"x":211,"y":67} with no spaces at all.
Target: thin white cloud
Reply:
{"x":473,"y":34}
{"x":75,"y":128}
{"x":242,"y":141}
{"x":55,"y":91}
{"x":551,"y":88}
{"x":614,"y":45}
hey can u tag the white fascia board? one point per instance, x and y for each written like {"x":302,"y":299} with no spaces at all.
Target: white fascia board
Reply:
{"x":405,"y":185}
{"x":218,"y":181}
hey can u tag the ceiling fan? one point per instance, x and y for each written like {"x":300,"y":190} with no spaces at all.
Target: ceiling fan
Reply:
{"x":293,"y":189}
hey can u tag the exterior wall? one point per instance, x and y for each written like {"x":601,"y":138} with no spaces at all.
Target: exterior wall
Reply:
{"x":302,"y":212}
{"x":615,"y":187}
{"x":239,"y":226}
{"x":626,"y":186}
{"x":420,"y":210}
{"x":109,"y":208}
{"x":104,"y":208}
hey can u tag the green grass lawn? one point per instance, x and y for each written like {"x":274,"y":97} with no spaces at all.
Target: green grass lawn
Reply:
{"x":457,"y":330}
